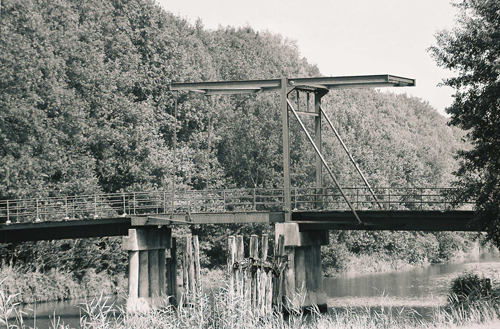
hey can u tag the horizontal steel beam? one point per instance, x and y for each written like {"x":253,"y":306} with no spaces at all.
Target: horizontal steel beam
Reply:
{"x":211,"y":218}
{"x":251,"y":86}
{"x":73,"y":229}
{"x":399,"y":220}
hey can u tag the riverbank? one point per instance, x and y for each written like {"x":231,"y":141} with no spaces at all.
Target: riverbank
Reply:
{"x":339,"y":261}
{"x":222,"y":311}
{"x":423,"y":289}
{"x":29,"y":287}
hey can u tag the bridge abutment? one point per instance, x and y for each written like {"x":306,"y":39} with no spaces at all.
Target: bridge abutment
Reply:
{"x":147,"y":266}
{"x":304,"y":276}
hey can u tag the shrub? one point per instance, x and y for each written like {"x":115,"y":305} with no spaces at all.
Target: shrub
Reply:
{"x":469,"y":288}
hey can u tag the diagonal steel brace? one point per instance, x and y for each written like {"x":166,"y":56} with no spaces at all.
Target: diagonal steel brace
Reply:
{"x":324,"y":162}
{"x":350,"y":156}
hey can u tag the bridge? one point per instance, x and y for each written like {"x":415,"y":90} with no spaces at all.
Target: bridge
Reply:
{"x":303,"y":215}
{"x":113,"y":214}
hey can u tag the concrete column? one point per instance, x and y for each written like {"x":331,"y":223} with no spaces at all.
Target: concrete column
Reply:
{"x":304,"y":278}
{"x":146,"y":247}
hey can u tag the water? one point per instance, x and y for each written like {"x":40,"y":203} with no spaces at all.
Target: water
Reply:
{"x":65,"y":312}
{"x":420,"y":289}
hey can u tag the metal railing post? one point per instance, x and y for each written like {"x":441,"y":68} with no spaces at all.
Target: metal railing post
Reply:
{"x":38,"y":220}
{"x":95,"y":206}
{"x":133,"y":204}
{"x":66,"y":217}
{"x":124,"y":205}
{"x":8,"y":214}
{"x":389,"y":193}
{"x":421,"y":198}
{"x":357,"y":198}
{"x":295,"y":198}
{"x":164,"y":201}
{"x":254,"y":205}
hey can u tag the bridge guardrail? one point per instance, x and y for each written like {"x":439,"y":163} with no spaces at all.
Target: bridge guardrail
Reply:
{"x":111,"y":205}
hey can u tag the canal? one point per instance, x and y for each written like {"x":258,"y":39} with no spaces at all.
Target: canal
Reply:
{"x":419,"y":290}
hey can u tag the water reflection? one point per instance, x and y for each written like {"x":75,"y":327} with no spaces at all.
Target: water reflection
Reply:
{"x":419,"y":282}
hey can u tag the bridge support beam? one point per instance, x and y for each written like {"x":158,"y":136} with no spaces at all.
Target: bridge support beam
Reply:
{"x":304,"y":276}
{"x":147,"y":270}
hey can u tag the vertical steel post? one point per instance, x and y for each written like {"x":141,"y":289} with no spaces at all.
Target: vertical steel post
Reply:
{"x":8,"y":214}
{"x":209,"y":144}
{"x":66,"y":217}
{"x":318,"y":141}
{"x":37,"y":213}
{"x":133,"y":204}
{"x":174,"y":145}
{"x":95,"y":206}
{"x":254,"y":201}
{"x":124,"y":205}
{"x":286,"y":149}
{"x":164,"y":201}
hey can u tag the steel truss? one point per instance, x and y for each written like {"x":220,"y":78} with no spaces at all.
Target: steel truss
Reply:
{"x":318,"y":87}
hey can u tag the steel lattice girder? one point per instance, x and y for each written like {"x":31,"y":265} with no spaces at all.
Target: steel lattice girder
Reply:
{"x":252,"y":86}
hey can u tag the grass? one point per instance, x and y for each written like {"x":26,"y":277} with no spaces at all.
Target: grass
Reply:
{"x":220,"y":310}
{"x":35,"y":286}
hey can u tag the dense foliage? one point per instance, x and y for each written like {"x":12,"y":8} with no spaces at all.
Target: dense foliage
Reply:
{"x":472,"y":51}
{"x":85,"y":108}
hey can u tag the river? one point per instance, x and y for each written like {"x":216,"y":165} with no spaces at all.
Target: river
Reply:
{"x":420,"y":289}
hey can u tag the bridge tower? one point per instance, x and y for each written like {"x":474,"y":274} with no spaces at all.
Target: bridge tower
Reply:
{"x":303,"y":248}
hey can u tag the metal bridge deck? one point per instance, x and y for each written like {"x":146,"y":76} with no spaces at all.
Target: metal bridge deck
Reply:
{"x":416,"y":220}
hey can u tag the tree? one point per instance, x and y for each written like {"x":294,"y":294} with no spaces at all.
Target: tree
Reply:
{"x":472,"y":50}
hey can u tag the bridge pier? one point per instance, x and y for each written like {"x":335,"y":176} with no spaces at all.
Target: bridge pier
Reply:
{"x":304,"y":276}
{"x":147,"y":267}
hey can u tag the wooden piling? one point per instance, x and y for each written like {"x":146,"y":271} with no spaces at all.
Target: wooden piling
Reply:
{"x":196,"y":252}
{"x":278,"y":283}
{"x":185,"y":271}
{"x":264,"y":246}
{"x":230,"y":264}
{"x":190,"y":274}
{"x":254,"y":257}
{"x":257,"y":280}
{"x":240,"y":256}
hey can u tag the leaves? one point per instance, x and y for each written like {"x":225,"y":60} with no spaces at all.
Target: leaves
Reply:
{"x":472,"y":50}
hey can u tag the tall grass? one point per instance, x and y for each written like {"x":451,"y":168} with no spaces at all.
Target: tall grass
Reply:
{"x":222,"y":310}
{"x":35,"y":286}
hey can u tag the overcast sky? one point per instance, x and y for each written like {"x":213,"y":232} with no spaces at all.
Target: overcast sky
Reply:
{"x":345,"y":37}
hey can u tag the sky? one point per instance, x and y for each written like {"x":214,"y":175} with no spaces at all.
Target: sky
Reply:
{"x":346,"y":37}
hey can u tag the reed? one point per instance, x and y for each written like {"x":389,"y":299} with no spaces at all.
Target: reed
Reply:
{"x":220,"y":309}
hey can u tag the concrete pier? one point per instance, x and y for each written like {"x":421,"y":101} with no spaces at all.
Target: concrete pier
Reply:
{"x":147,"y":270}
{"x":304,"y":277}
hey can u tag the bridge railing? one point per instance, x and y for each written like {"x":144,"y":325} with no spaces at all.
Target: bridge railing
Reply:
{"x":112,"y":205}
{"x":313,"y":198}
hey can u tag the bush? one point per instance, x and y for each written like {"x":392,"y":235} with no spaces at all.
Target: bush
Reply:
{"x":469,"y":288}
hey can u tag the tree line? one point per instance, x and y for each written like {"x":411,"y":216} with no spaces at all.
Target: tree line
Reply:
{"x":85,"y":108}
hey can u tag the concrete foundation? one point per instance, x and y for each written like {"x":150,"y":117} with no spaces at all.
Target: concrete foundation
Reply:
{"x":304,"y":277}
